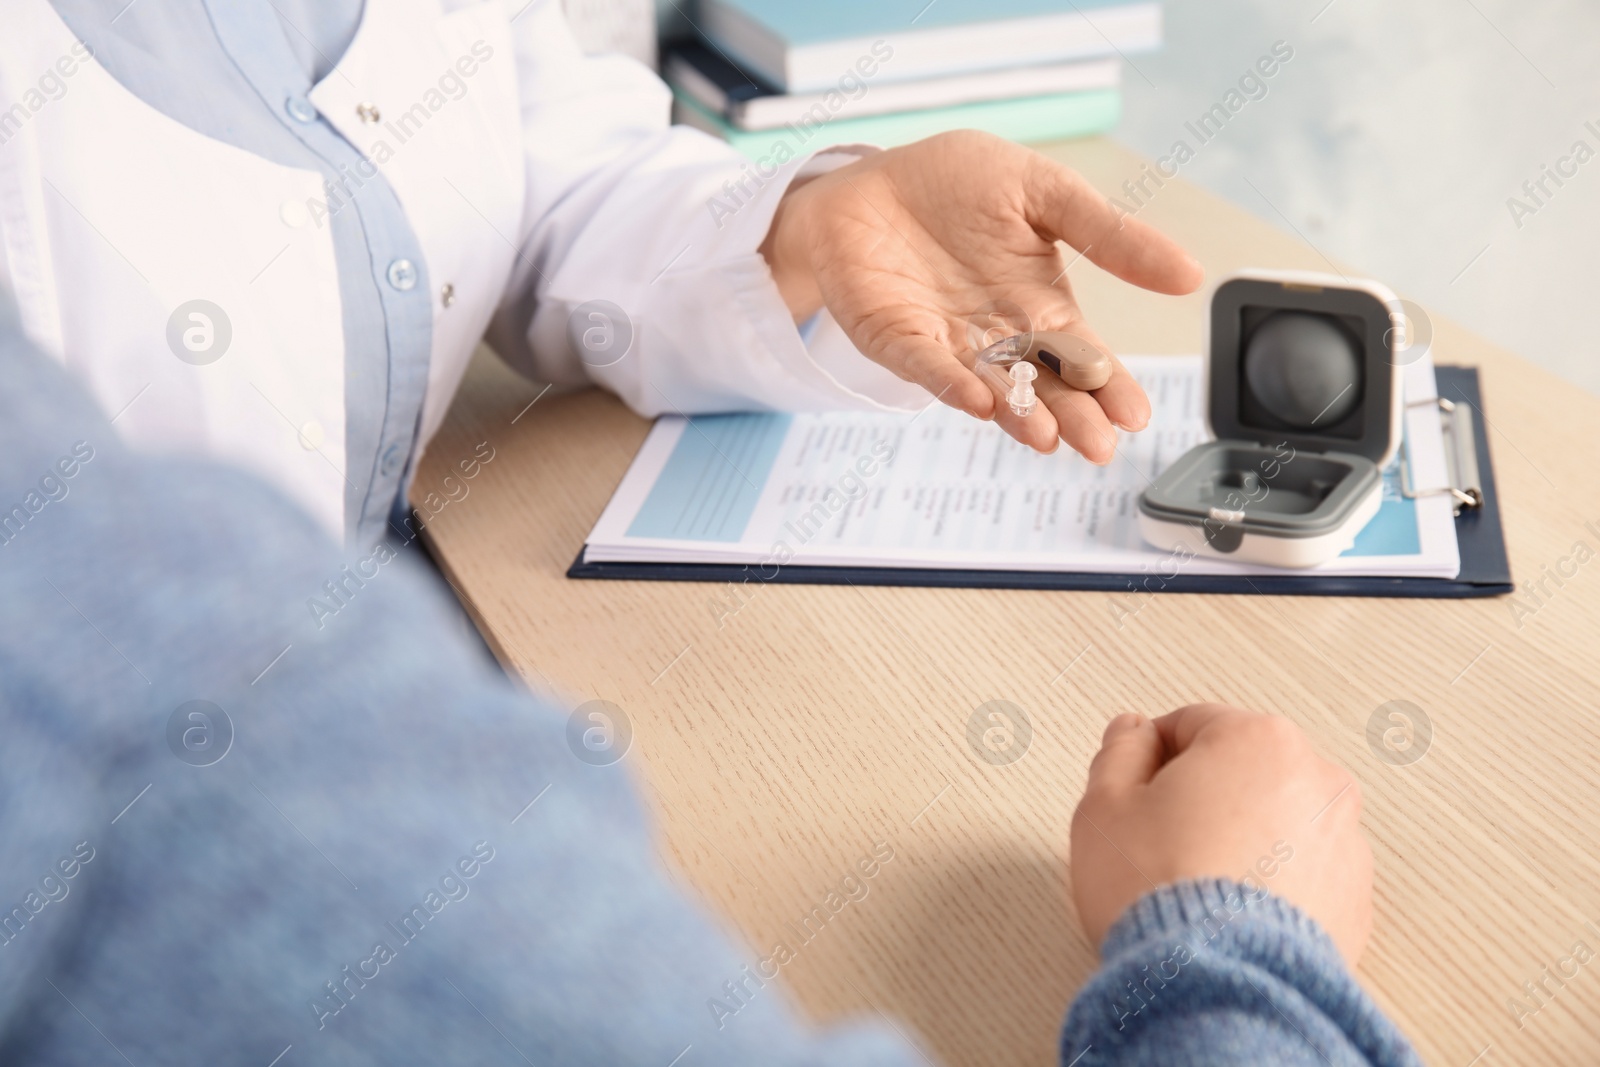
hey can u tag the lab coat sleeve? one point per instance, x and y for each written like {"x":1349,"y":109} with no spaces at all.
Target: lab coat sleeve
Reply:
{"x":665,"y":224}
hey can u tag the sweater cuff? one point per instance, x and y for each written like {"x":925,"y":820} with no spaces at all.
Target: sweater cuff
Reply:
{"x":1203,"y":907}
{"x":1260,"y":969}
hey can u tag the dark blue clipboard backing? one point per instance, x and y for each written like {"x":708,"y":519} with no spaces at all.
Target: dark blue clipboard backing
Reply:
{"x":1485,"y":570}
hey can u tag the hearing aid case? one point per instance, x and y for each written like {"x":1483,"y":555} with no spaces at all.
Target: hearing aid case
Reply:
{"x":1303,"y":398}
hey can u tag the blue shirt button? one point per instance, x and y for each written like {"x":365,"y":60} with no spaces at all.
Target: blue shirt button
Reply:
{"x":393,"y":458}
{"x":300,"y":109}
{"x":402,"y":274}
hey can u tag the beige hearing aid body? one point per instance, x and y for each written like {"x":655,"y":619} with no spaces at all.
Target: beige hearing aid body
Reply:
{"x":1008,"y":365}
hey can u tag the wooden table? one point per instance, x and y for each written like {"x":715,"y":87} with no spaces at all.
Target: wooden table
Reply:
{"x":782,"y":744}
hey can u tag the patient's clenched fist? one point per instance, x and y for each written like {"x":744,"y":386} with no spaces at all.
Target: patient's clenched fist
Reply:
{"x":1217,"y":791}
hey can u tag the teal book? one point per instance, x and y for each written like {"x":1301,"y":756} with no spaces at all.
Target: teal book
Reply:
{"x":1052,"y":117}
{"x":807,"y":46}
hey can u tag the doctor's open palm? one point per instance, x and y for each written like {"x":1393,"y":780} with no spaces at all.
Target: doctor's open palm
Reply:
{"x":904,"y":247}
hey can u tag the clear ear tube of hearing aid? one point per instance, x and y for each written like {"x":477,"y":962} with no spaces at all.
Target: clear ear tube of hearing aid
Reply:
{"x":1010,"y":366}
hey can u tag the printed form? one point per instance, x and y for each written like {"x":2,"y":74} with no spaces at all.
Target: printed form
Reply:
{"x":939,"y":489}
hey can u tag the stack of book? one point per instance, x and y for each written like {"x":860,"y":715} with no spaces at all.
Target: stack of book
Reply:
{"x":781,"y":77}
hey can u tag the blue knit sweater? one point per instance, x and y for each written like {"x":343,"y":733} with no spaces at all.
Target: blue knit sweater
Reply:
{"x":370,"y":848}
{"x":1209,"y":972}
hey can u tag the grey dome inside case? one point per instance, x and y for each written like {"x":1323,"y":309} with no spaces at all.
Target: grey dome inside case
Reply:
{"x":1303,"y":398}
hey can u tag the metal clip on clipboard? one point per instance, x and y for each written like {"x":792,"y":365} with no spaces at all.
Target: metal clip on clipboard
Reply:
{"x":1460,"y":457}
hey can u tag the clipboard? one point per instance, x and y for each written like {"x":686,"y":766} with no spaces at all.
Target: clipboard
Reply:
{"x":1485,"y":569}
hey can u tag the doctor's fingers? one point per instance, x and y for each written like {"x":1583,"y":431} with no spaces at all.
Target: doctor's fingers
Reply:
{"x":1122,"y":398}
{"x":1053,"y":307}
{"x":1083,"y":420}
{"x":1062,"y":414}
{"x":1080,"y":420}
{"x":1060,"y":203}
{"x":1038,"y":430}
{"x":930,"y":364}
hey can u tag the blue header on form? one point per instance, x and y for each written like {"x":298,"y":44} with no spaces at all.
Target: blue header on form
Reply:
{"x":713,"y":479}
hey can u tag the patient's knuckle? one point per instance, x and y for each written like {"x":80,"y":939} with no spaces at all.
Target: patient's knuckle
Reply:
{"x":1284,"y":731}
{"x":1272,"y":732}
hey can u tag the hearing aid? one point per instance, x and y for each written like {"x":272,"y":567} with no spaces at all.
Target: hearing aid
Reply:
{"x":1010,"y":365}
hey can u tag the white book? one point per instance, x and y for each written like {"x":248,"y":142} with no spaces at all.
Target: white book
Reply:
{"x":722,"y":88}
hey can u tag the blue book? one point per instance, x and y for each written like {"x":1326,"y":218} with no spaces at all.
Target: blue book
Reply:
{"x":810,"y":46}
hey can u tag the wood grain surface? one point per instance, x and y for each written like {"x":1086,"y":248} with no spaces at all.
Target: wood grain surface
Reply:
{"x":779,"y":744}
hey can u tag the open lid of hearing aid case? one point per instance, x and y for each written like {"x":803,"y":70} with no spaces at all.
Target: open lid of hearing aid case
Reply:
{"x":1303,"y":396}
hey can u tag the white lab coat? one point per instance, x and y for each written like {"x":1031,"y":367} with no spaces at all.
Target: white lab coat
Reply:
{"x":554,"y":180}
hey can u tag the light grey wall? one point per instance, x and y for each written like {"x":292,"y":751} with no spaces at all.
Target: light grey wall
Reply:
{"x":1392,"y":141}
